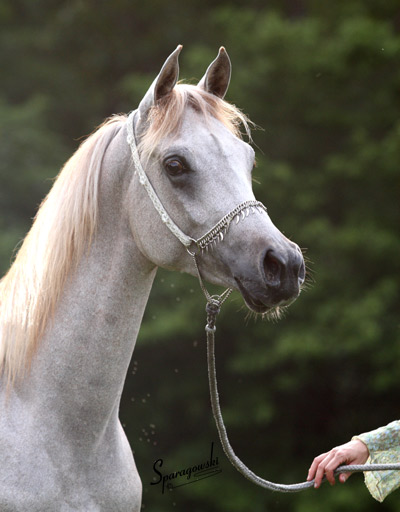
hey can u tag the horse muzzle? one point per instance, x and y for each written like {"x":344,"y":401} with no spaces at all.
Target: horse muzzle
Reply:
{"x":275,"y":282}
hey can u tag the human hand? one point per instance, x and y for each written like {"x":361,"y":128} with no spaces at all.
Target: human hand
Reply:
{"x":353,"y":452}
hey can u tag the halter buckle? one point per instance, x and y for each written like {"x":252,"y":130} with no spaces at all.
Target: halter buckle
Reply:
{"x":197,"y":248}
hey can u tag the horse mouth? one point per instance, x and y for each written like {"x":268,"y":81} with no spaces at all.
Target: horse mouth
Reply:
{"x":252,"y":302}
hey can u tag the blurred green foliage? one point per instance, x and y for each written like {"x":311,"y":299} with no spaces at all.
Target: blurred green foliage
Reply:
{"x":322,"y":79}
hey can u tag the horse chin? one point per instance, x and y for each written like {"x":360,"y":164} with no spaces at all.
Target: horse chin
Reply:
{"x":266,"y":312}
{"x":256,"y":306}
{"x":262,"y":307}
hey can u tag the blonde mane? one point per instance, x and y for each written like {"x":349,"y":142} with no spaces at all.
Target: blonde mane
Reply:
{"x":62,"y":230}
{"x":166,"y":115}
{"x":66,"y":222}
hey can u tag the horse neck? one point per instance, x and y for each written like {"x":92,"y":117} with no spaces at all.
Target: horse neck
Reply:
{"x":80,"y":368}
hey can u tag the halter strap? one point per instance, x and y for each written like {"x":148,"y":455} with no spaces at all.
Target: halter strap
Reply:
{"x":144,"y":180}
{"x":215,"y":233}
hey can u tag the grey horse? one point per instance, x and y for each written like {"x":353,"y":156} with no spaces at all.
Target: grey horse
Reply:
{"x":73,"y":300}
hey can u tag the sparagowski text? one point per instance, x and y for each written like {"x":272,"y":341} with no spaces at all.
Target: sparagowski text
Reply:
{"x":188,"y":475}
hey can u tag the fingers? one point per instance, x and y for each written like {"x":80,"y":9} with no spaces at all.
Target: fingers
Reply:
{"x":326,"y":464}
{"x":326,"y":468}
{"x":315,"y":466}
{"x":343,"y":477}
{"x":353,"y":452}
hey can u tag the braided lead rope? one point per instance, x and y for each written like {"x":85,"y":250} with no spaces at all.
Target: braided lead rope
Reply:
{"x":212,"y":310}
{"x":212,"y":300}
{"x":214,"y":303}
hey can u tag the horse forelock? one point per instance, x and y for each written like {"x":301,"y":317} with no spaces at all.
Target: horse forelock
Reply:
{"x":165,"y":117}
{"x":62,"y":230}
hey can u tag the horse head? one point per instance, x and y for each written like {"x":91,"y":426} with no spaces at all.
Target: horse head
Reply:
{"x":200,"y":170}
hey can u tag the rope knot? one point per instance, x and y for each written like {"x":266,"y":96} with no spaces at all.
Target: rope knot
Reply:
{"x":213,"y":307}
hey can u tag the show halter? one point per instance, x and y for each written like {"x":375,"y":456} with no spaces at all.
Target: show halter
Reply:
{"x":213,"y":307}
{"x":216,"y":233}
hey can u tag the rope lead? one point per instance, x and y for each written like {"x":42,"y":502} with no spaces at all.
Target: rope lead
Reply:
{"x":213,"y":308}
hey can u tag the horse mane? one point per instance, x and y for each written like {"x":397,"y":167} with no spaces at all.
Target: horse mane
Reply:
{"x":62,"y":230}
{"x":66,"y":222}
{"x":166,"y":115}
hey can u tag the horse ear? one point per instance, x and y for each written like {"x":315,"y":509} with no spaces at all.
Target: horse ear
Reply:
{"x":163,"y":84}
{"x":218,"y":75}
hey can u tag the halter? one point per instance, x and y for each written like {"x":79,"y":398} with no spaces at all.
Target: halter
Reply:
{"x":214,"y":302}
{"x":212,"y":236}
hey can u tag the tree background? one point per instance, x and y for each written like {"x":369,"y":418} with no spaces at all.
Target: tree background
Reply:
{"x":322,"y":80}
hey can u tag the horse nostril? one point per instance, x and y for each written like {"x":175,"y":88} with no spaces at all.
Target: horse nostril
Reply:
{"x":272,"y":269}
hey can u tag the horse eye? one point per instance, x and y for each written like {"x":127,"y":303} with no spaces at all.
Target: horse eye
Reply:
{"x":174,"y":167}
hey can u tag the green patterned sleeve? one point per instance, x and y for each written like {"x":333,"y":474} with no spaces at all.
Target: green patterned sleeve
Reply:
{"x":384,"y":448}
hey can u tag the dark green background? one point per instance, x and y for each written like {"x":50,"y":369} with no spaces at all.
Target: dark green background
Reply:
{"x":322,"y":80}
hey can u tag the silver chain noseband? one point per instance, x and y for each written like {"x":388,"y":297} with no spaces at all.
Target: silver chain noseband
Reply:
{"x":214,"y":302}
